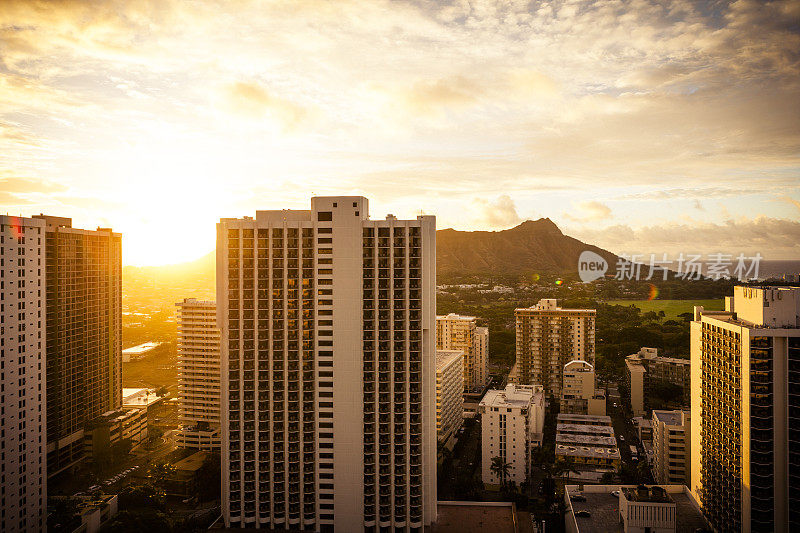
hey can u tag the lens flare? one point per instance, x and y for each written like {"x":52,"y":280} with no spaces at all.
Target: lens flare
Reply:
{"x":653,"y":292}
{"x":559,"y":282}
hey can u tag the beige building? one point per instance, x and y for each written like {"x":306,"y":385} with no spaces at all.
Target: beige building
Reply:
{"x":458,"y":332}
{"x":647,"y":367}
{"x":671,"y":447}
{"x":449,"y":393}
{"x":198,"y":375}
{"x":745,"y":374}
{"x":578,"y":394}
{"x":23,"y":324}
{"x":512,"y":421}
{"x":84,"y":334}
{"x":328,"y":354}
{"x":548,"y":337}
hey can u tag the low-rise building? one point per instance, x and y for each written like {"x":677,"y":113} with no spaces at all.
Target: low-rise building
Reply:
{"x":146,"y":399}
{"x":631,"y":509}
{"x":113,"y":427}
{"x":512,"y":421}
{"x":647,"y":367}
{"x":579,"y":394}
{"x":644,"y":428}
{"x":449,"y":389}
{"x":183,"y":481}
{"x":671,"y":447}
{"x":587,"y":440}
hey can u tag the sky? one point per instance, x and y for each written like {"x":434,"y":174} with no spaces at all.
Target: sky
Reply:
{"x":637,"y":126}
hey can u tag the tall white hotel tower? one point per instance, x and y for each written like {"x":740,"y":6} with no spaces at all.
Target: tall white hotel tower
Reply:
{"x":328,"y":369}
{"x":23,"y":438}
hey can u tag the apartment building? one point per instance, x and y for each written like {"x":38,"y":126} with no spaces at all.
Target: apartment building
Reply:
{"x":84,"y":334}
{"x":745,"y":377}
{"x":449,"y":393}
{"x":646,"y":367}
{"x":198,"y":375}
{"x":578,"y":393}
{"x":512,"y":421}
{"x":671,"y":447}
{"x":481,"y":358}
{"x":458,"y":332}
{"x":328,"y":363}
{"x":588,"y":440}
{"x":23,"y":468}
{"x":548,"y":337}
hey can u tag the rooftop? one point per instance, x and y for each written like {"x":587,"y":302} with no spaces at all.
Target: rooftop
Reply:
{"x":603,"y":508}
{"x":587,"y":451}
{"x":588,"y":440}
{"x":518,"y":396}
{"x":475,"y":517}
{"x":670,"y":418}
{"x":445,"y":357}
{"x":595,"y":420}
{"x":455,"y":316}
{"x":584,"y":429}
{"x":141,"y":348}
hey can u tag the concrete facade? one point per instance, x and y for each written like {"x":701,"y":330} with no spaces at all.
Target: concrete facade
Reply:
{"x":327,"y":324}
{"x":449,"y":393}
{"x":547,"y":338}
{"x":512,"y":421}
{"x":23,"y":323}
{"x":198,"y":375}
{"x":458,"y":332}
{"x":745,"y":377}
{"x":671,"y":447}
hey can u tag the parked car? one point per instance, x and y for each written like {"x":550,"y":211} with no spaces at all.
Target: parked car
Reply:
{"x":94,"y":488}
{"x":584,"y":514}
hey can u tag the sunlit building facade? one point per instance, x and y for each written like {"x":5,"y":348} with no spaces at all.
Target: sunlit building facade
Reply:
{"x":23,"y":468}
{"x":84,"y":334}
{"x":459,"y":332}
{"x":671,"y":447}
{"x":328,"y":353}
{"x":198,"y":375}
{"x":745,"y":396}
{"x":548,"y":337}
{"x":449,"y":393}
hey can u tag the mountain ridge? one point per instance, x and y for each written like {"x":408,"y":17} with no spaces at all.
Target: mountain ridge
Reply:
{"x":531,"y":246}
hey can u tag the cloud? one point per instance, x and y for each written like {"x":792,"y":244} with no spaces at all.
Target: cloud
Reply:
{"x":774,"y":238}
{"x":589,"y":211}
{"x":15,"y":184}
{"x":791,"y":200}
{"x":251,"y":100}
{"x":498,"y":213}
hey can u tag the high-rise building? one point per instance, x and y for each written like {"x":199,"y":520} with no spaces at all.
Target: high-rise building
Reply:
{"x":512,"y":421}
{"x":84,"y":334}
{"x":198,"y":375}
{"x":645,"y":369}
{"x":671,"y":447}
{"x":578,"y":394}
{"x":449,"y":392}
{"x":745,"y":380}
{"x":23,"y":485}
{"x":548,"y":337}
{"x":458,"y":332}
{"x":328,"y":355}
{"x":481,"y":358}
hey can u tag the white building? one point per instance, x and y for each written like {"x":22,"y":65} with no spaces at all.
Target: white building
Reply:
{"x":512,"y":421}
{"x":548,"y":337}
{"x":578,"y":394}
{"x":198,"y":375}
{"x":328,"y":348}
{"x":449,"y":392}
{"x":23,"y":465}
{"x":745,"y":377}
{"x":459,"y":332}
{"x":646,"y":367}
{"x":671,"y":447}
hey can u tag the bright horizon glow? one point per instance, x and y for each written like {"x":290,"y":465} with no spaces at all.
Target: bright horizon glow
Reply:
{"x":640,"y":128}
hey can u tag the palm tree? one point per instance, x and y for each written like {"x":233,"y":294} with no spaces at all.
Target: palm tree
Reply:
{"x":500,"y":468}
{"x":566,"y":465}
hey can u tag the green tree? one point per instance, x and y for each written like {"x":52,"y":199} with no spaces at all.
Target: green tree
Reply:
{"x":566,"y":466}
{"x":500,"y":468}
{"x":143,"y":496}
{"x":209,"y":480}
{"x":149,"y":520}
{"x":159,"y":473}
